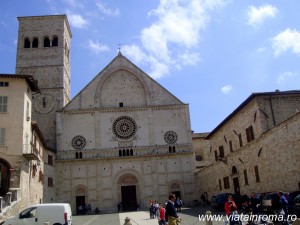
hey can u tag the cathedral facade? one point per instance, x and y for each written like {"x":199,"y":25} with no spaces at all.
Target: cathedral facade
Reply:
{"x":123,"y":138}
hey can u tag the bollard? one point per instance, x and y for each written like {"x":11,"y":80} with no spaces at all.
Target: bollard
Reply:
{"x":9,"y":197}
{"x":208,"y":220}
{"x":46,"y":223}
{"x":127,"y":221}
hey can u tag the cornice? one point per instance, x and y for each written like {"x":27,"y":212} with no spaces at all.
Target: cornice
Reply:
{"x":123,"y":109}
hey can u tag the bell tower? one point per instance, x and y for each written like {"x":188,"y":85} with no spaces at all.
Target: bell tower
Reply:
{"x":44,"y":51}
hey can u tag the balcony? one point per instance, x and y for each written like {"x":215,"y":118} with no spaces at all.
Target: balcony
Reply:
{"x":30,"y":152}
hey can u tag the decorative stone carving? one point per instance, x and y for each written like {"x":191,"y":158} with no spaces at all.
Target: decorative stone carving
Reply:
{"x":175,"y":186}
{"x":128,"y":179}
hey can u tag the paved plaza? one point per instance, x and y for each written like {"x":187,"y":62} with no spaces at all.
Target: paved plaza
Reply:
{"x":190,"y":216}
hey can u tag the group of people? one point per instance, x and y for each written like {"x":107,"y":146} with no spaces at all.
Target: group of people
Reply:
{"x":166,"y":213}
{"x":85,"y":209}
{"x":252,"y":206}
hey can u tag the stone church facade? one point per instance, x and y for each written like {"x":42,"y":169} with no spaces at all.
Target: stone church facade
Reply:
{"x":123,"y":138}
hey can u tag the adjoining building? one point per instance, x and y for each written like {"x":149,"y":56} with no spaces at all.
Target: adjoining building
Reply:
{"x":256,"y":148}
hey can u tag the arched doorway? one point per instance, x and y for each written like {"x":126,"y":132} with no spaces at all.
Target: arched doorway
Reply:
{"x":80,"y":199}
{"x":128,"y":184}
{"x":4,"y":177}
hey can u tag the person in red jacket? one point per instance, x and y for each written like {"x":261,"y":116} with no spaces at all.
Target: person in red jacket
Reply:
{"x":161,"y":215}
{"x":230,"y":206}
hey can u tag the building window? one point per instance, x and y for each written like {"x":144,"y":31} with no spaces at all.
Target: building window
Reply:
{"x":35,"y":43}
{"x":3,"y":103}
{"x":27,"y":111}
{"x":46,"y":42}
{"x":3,"y":84}
{"x":226,"y":182}
{"x":2,"y":136}
{"x":240,"y":140}
{"x":55,"y":41}
{"x":221,"y":152}
{"x":250,"y":134}
{"x":120,"y":104}
{"x":50,"y":182}
{"x":256,"y":174}
{"x":216,"y":155}
{"x":50,"y":159}
{"x":230,"y":146}
{"x":26,"y":43}
{"x":220,"y":184}
{"x":246,"y":177}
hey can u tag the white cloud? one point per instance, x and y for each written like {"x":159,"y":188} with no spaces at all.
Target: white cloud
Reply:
{"x":97,"y":47}
{"x":262,"y":49}
{"x":76,"y":20}
{"x":284,"y":76}
{"x":288,"y":39}
{"x":257,"y":16}
{"x":226,"y":89}
{"x":107,"y":11}
{"x":171,"y":40}
{"x":74,"y":3}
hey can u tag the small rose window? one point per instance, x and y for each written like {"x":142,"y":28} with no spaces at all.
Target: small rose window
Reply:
{"x":170,"y":137}
{"x":78,"y":142}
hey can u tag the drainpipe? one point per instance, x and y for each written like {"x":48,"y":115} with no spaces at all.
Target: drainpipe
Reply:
{"x":272,"y":111}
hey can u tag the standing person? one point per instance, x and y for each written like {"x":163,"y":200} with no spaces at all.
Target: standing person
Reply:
{"x":151,"y":209}
{"x":119,"y":207}
{"x":171,"y":215}
{"x":285,"y":204}
{"x":203,"y":199}
{"x":229,"y":206}
{"x":161,"y":215}
{"x":178,"y":204}
{"x":254,"y":203}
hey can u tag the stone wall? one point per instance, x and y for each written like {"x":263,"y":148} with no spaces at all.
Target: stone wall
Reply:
{"x":276,"y":155}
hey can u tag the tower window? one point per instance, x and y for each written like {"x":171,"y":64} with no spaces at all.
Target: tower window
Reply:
{"x":35,"y":43}
{"x":55,"y":41}
{"x":46,"y":42}
{"x":121,"y":104}
{"x":26,"y":43}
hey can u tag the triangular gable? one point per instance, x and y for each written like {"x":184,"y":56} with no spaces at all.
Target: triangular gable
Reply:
{"x":119,"y":81}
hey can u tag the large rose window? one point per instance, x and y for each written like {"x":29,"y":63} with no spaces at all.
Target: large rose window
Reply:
{"x":124,"y":127}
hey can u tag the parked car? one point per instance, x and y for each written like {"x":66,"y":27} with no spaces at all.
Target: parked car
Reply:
{"x":266,"y":204}
{"x":291,"y":197}
{"x":296,"y":206}
{"x":54,"y":213}
{"x":219,"y":200}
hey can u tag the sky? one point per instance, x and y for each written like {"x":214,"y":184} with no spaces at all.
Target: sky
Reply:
{"x":210,"y":54}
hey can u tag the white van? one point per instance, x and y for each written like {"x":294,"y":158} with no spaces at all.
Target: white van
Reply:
{"x":54,"y":213}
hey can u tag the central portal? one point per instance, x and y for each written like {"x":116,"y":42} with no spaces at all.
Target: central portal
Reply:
{"x":129,"y":202}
